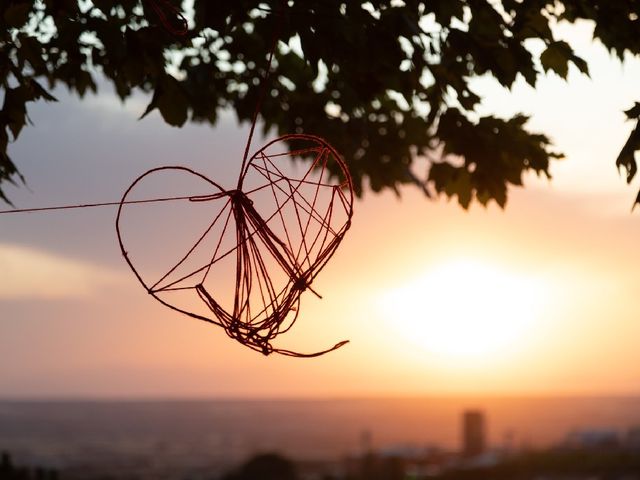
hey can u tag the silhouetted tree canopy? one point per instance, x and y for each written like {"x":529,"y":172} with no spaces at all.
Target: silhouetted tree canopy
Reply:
{"x":385,"y":81}
{"x":267,"y":466}
{"x":9,"y":471}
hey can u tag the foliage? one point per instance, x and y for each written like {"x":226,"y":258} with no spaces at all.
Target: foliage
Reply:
{"x":386,"y":81}
{"x":266,"y":466}
{"x":8,"y":471}
{"x":556,"y":464}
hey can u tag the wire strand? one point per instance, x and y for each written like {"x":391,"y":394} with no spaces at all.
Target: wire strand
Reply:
{"x":192,"y":198}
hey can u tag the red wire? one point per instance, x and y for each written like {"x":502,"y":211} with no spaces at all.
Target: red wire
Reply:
{"x":272,"y":269}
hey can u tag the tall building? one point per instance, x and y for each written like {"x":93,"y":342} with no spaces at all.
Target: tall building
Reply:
{"x":474,"y":435}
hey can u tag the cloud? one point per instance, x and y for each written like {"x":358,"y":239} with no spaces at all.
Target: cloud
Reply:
{"x":28,"y":273}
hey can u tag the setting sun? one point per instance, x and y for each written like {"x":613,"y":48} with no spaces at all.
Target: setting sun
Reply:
{"x":465,"y":308}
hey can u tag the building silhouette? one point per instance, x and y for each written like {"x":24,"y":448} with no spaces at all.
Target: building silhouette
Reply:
{"x":474,"y":441}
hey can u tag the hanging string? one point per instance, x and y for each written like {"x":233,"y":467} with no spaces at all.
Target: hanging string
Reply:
{"x":263,"y":93}
{"x":191,"y":198}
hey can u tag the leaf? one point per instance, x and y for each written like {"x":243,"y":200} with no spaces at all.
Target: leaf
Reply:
{"x":447,"y":10}
{"x":536,"y":25}
{"x":84,"y":81}
{"x":153,"y":104}
{"x":463,"y":188}
{"x":14,"y":109}
{"x":172,"y":103}
{"x":31,"y":51}
{"x":556,"y":57}
{"x":7,"y":170}
{"x":581,"y":64}
{"x":485,"y":22}
{"x":633,"y":112}
{"x":40,"y":92}
{"x":17,"y":14}
{"x":626,"y":158}
{"x":636,"y":201}
{"x":452,"y":181}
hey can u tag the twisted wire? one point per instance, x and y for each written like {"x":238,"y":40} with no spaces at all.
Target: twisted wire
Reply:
{"x":262,"y":307}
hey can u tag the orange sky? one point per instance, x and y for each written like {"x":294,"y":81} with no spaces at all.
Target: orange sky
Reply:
{"x":558,"y":268}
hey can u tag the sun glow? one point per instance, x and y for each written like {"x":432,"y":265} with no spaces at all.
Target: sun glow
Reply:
{"x":465,"y":308}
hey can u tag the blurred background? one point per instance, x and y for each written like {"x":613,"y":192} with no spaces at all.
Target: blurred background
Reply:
{"x":485,"y":343}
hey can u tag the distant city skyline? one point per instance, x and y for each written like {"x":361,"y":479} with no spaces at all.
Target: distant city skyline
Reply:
{"x":474,"y":433}
{"x":214,"y":436}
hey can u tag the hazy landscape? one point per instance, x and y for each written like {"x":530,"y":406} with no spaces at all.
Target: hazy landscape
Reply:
{"x":173,"y":438}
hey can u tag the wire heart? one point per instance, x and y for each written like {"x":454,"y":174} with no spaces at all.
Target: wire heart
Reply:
{"x":273,"y":234}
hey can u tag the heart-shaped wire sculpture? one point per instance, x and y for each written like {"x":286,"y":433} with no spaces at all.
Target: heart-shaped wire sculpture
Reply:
{"x":273,"y":234}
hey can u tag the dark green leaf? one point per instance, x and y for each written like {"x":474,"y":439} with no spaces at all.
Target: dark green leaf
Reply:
{"x":173,"y":104}
{"x":556,"y":58}
{"x":636,"y":201}
{"x":581,"y":64}
{"x":626,"y":158}
{"x":17,"y":14}
{"x":153,"y":104}
{"x":633,"y":112}
{"x":40,"y":92}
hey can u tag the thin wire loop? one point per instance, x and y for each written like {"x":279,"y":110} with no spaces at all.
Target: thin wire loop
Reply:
{"x":278,"y":247}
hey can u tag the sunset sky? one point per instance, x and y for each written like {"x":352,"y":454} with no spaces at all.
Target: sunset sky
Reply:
{"x":541,"y":298}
